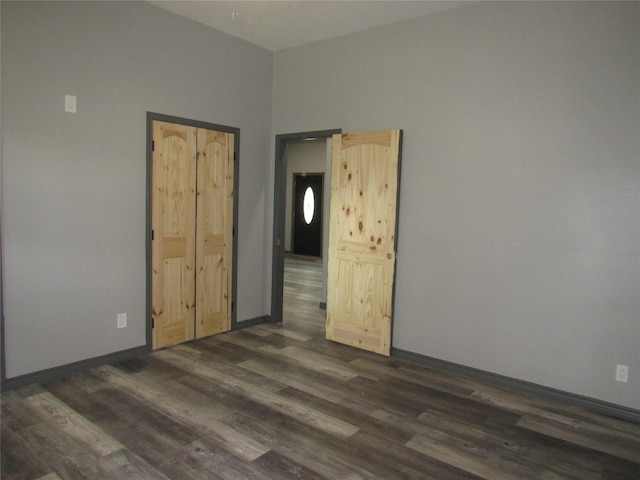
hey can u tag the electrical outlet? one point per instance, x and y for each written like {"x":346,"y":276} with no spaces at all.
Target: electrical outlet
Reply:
{"x":122,"y":320}
{"x":622,"y":373}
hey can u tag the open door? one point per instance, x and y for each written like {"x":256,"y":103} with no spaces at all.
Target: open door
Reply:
{"x":362,"y":246}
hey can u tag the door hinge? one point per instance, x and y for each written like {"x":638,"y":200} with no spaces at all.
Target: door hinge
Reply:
{"x":152,"y":235}
{"x":233,"y":232}
{"x":232,"y":306}
{"x":153,"y":322}
{"x":153,"y":145}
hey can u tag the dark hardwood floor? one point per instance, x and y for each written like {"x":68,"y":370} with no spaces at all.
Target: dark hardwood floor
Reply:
{"x":279,"y":401}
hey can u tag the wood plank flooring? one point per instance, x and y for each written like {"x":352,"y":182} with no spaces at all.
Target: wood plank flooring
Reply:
{"x":280,"y":402}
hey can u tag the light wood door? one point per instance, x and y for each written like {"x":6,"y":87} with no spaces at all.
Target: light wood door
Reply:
{"x":361,"y":260}
{"x":192,"y":223}
{"x":174,"y":230}
{"x":214,"y":235}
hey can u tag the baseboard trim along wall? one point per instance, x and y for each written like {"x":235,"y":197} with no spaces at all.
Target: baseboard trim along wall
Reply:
{"x":71,"y":368}
{"x":598,"y":406}
{"x":251,"y":322}
{"x":57,"y":372}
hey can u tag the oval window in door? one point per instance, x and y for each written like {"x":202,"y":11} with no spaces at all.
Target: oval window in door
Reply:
{"x":308,"y":205}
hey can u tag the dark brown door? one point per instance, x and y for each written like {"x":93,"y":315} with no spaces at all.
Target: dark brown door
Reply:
{"x":307,"y":215}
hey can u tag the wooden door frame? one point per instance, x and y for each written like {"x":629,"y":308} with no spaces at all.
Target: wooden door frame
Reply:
{"x":151,"y":117}
{"x":279,"y":213}
{"x":3,"y":362}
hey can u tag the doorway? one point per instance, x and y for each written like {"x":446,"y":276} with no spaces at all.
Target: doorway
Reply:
{"x":280,"y":215}
{"x":307,"y":214}
{"x":364,"y":196}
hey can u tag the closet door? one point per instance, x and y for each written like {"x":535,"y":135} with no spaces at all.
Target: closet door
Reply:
{"x":214,"y":232}
{"x":174,"y":230}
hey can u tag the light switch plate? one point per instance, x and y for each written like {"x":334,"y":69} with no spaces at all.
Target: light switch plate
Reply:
{"x":70,"y":103}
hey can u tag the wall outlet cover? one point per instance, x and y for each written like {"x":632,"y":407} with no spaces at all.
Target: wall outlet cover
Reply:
{"x":622,"y":373}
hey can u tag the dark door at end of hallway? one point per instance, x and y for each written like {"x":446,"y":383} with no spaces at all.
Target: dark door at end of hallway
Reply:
{"x":307,"y":214}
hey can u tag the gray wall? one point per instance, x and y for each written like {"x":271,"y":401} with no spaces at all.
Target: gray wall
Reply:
{"x":519,"y":240}
{"x":73,"y":185}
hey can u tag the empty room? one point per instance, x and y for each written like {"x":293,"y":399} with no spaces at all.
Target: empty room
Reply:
{"x":468,"y":308}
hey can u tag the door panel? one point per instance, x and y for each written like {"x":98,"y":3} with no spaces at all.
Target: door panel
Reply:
{"x":361,"y":264}
{"x":214,"y":238}
{"x":307,"y":237}
{"x":192,"y":245}
{"x":173,"y":254}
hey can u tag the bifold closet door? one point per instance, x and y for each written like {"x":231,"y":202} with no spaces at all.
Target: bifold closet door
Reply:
{"x":173,"y":208}
{"x":214,"y":232}
{"x":192,"y":232}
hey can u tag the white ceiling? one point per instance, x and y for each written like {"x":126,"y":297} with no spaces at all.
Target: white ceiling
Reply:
{"x":279,"y":24}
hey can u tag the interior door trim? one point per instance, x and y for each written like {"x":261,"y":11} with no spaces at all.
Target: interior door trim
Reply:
{"x":151,"y":117}
{"x":279,"y":213}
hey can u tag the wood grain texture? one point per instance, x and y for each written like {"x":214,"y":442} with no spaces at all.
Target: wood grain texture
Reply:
{"x":281,"y":402}
{"x":361,"y":256}
{"x":192,"y":246}
{"x":214,"y":232}
{"x":173,"y":207}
